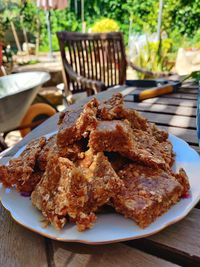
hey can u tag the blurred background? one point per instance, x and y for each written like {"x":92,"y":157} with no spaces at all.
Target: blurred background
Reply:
{"x":23,"y":26}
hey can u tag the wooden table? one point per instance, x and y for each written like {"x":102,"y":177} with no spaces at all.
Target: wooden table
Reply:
{"x":178,"y":244}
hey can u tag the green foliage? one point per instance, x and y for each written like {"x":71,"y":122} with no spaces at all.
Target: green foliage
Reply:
{"x":154,"y":56}
{"x":180,"y":18}
{"x":1,"y":29}
{"x":195,"y":75}
{"x":105,"y":25}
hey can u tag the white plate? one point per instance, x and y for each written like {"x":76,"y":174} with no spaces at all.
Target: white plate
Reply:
{"x":110,"y":228}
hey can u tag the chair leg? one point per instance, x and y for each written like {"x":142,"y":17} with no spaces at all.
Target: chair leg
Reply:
{"x":3,"y":145}
{"x":90,"y":92}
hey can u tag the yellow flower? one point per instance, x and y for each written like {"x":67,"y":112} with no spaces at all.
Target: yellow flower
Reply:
{"x":105,"y":25}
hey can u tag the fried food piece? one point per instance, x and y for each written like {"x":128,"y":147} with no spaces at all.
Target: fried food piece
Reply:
{"x":75,"y":191}
{"x":118,"y":136}
{"x":31,"y":183}
{"x":104,"y":182}
{"x":74,"y":125}
{"x":147,"y":194}
{"x":43,"y":195}
{"x":166,"y":149}
{"x":72,"y":151}
{"x":182,"y":178}
{"x":42,"y":158}
{"x":159,"y":135}
{"x":114,"y":109}
{"x":20,"y":171}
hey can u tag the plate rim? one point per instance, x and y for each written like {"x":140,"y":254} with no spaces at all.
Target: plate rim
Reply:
{"x":87,"y":242}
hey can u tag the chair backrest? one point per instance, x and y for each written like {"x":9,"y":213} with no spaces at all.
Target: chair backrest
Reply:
{"x":95,"y":56}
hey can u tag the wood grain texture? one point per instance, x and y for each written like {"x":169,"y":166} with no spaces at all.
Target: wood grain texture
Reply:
{"x":161,"y":108}
{"x":19,"y":247}
{"x":181,"y":96}
{"x":77,"y":75}
{"x":172,"y":101}
{"x":189,"y":89}
{"x":179,"y":243}
{"x":115,"y":255}
{"x":182,"y":236}
{"x":190,"y":136}
{"x":166,"y":101}
{"x":171,"y":120}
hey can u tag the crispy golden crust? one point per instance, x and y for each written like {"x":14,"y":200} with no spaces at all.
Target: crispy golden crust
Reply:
{"x":182,"y":178}
{"x":118,"y":136}
{"x":76,"y":124}
{"x":104,"y":182}
{"x":75,"y":191}
{"x":19,"y":172}
{"x":44,"y":193}
{"x":147,"y":193}
{"x":31,"y":183}
{"x":114,"y":108}
{"x":71,"y":182}
{"x":159,"y":135}
{"x":43,"y":156}
{"x":72,"y":151}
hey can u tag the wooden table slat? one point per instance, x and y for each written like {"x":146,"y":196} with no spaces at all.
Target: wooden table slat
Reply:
{"x":183,"y":236}
{"x":76,"y":255}
{"x":188,"y":135}
{"x":189,"y":90}
{"x":171,"y":120}
{"x":166,"y":101}
{"x":19,"y":247}
{"x":161,"y":108}
{"x":181,"y":96}
{"x":179,"y":243}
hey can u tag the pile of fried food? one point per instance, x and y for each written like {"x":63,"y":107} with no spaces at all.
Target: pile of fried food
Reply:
{"x":103,"y":154}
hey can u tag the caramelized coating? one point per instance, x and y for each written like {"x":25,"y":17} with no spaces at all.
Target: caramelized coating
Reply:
{"x":72,"y":151}
{"x":118,"y":136}
{"x":75,"y":191}
{"x":76,"y":124}
{"x":182,"y":178}
{"x":128,"y":164}
{"x":158,"y":134}
{"x":31,"y":183}
{"x":45,"y":191}
{"x":19,"y":172}
{"x":104,"y":182}
{"x":42,"y":158}
{"x":147,"y":193}
{"x":114,"y":108}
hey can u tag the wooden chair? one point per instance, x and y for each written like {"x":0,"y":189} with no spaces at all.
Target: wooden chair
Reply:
{"x":93,"y":62}
{"x":3,"y":145}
